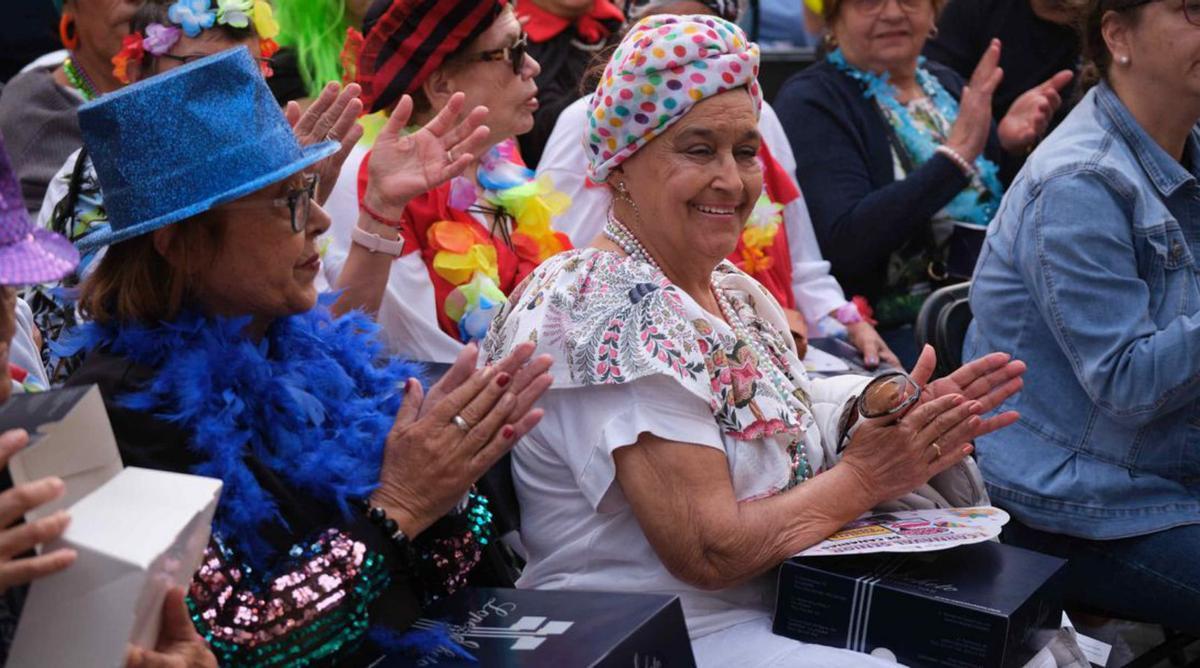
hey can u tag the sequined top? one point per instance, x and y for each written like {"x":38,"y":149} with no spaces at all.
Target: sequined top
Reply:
{"x":334,"y":579}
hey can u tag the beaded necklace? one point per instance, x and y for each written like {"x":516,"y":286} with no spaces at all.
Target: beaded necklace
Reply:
{"x":79,"y":79}
{"x":979,"y":201}
{"x":616,"y":231}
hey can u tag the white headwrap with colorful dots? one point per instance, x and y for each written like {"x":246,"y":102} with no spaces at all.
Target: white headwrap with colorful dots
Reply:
{"x":663,"y":66}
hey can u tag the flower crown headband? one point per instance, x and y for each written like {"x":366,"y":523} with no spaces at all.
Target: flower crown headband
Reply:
{"x":190,"y":17}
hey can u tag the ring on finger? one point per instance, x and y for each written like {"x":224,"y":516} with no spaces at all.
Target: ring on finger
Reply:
{"x":936,"y":448}
{"x":330,"y":136}
{"x":449,"y":156}
{"x":461,"y":423}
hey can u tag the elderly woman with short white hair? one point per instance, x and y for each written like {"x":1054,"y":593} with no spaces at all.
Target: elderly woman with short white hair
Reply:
{"x":684,"y":450}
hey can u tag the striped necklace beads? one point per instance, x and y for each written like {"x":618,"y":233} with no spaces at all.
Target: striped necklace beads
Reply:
{"x":80,"y":80}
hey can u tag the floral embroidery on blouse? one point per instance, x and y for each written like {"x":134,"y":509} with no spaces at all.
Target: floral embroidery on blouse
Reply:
{"x":608,"y":319}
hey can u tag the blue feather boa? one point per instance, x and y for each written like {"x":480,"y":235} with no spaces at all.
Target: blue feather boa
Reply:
{"x":313,"y":401}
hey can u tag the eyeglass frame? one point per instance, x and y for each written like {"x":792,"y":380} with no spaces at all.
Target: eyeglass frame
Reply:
{"x":1187,"y":16}
{"x":859,"y":405}
{"x":515,"y":54}
{"x":190,"y":57}
{"x":291,"y":200}
{"x":911,"y":7}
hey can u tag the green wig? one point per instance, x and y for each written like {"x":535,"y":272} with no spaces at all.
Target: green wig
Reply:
{"x":316,"y":31}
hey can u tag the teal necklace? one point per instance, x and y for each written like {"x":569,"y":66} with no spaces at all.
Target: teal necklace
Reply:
{"x":80,"y":80}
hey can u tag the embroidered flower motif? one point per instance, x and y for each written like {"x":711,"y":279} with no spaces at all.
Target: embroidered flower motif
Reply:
{"x":264,"y":21}
{"x":235,"y":13}
{"x":160,"y":38}
{"x":192,"y":15}
{"x":131,"y":51}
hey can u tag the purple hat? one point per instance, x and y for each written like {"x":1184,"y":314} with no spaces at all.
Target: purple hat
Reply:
{"x":28,"y":254}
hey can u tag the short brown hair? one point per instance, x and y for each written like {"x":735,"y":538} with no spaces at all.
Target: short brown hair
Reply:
{"x":134,"y":283}
{"x":1089,"y":19}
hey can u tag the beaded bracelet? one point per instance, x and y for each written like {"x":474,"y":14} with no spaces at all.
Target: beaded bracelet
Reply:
{"x":379,"y":517}
{"x":967,"y":168}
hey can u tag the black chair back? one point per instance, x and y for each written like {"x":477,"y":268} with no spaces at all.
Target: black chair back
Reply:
{"x":942,"y":323}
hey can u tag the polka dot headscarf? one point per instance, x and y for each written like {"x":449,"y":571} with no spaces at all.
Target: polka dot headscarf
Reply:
{"x":664,"y":65}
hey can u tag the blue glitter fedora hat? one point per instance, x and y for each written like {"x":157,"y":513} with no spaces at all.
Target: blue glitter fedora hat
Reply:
{"x":183,"y":142}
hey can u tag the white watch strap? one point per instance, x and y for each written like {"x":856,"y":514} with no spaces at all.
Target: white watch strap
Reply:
{"x":376,"y":243}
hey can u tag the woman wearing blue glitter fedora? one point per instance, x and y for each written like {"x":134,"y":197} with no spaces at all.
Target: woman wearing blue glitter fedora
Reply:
{"x":348,"y":499}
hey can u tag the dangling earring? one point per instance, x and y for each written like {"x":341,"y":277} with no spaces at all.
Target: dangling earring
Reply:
{"x":623,"y":193}
{"x":67,"y":32}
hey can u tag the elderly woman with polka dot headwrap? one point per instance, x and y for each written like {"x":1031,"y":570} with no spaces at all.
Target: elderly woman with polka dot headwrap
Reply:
{"x":683,"y":441}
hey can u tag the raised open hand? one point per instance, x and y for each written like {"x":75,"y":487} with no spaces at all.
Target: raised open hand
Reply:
{"x":1029,"y":116}
{"x":331,"y":116}
{"x":970,"y":132}
{"x":405,"y":165}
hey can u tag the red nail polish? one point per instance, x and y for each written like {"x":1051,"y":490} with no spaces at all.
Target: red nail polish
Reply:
{"x":502,"y":379}
{"x":507,"y":432}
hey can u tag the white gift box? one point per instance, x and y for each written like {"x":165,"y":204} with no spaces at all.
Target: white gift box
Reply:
{"x":70,"y":437}
{"x":139,"y":534}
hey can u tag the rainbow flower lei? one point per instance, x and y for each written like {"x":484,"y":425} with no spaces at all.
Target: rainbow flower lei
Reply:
{"x":466,"y":256}
{"x":758,"y":234}
{"x":190,"y":17}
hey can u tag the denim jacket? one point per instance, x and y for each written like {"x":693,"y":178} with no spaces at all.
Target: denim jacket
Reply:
{"x":1091,"y":274}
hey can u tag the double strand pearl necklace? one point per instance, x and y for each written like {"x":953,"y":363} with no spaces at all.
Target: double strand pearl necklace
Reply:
{"x":616,"y":231}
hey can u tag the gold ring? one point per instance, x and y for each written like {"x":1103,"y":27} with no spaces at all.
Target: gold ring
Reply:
{"x":936,"y":448}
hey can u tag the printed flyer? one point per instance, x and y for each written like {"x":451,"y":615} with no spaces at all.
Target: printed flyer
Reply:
{"x":913,"y":531}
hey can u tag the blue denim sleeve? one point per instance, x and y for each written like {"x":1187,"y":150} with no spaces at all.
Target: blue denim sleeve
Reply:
{"x":1081,"y":265}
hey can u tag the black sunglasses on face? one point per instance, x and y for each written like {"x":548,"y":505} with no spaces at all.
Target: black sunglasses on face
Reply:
{"x":514,"y":54}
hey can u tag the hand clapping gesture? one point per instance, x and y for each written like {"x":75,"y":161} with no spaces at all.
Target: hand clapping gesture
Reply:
{"x":1029,"y":116}
{"x":405,"y":165}
{"x":896,"y":454}
{"x":441,"y":443}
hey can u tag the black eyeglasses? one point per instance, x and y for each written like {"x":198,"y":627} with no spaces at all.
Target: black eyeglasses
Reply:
{"x":297,"y":200}
{"x":514,"y":54}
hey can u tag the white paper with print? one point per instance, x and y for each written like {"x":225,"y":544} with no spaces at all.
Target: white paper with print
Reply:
{"x":913,"y":531}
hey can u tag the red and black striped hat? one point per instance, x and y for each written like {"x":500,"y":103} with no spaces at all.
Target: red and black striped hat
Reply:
{"x":407,"y":40}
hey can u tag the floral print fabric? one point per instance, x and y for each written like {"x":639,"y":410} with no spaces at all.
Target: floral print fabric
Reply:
{"x":609,"y":319}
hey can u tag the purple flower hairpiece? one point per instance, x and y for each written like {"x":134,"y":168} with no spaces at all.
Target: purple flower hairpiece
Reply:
{"x":160,"y":38}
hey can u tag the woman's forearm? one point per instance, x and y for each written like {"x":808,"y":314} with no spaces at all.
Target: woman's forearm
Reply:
{"x":364,"y":276}
{"x":683,"y":497}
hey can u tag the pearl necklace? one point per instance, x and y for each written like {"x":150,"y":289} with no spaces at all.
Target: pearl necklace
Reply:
{"x":616,"y":231}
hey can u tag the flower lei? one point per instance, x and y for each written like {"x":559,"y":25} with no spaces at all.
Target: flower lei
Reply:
{"x":466,"y":256}
{"x":758,"y":234}
{"x":190,"y":18}
{"x":313,"y":401}
{"x":975,"y":204}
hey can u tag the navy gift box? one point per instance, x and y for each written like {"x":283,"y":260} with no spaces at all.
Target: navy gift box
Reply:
{"x":974,"y":606}
{"x":516,"y":628}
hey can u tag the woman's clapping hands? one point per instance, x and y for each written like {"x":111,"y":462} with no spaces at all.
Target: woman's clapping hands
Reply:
{"x":430,"y":461}
{"x":892,"y":456}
